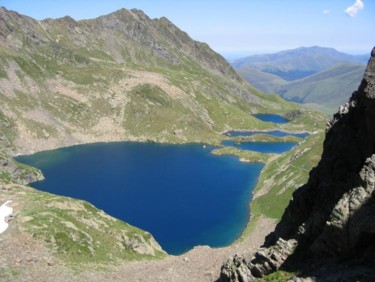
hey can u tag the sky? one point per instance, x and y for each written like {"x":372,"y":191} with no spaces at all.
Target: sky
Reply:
{"x":238,"y":28}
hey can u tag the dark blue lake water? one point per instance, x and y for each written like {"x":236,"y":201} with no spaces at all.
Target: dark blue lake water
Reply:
{"x":263,"y":147}
{"x":271,"y":118}
{"x":276,"y":133}
{"x":182,"y":194}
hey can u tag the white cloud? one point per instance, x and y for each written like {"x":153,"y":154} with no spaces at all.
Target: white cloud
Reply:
{"x":326,"y":12}
{"x":353,"y":10}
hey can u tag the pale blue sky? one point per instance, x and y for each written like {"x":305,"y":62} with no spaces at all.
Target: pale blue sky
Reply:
{"x":238,"y":26}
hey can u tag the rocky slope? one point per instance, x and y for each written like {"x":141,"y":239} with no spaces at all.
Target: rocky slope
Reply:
{"x":13,"y":172}
{"x":329,"y":223}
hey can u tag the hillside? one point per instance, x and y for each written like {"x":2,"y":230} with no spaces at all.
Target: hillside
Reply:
{"x":328,"y":88}
{"x":266,"y":82}
{"x":121,"y":76}
{"x":313,"y":75}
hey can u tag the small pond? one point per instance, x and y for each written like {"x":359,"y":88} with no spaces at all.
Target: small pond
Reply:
{"x":271,"y":118}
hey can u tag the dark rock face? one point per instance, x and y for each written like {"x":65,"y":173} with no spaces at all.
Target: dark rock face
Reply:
{"x":332,"y":217}
{"x":293,"y":115}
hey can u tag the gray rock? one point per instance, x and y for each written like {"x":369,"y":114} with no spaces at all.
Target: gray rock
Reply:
{"x":11,"y":171}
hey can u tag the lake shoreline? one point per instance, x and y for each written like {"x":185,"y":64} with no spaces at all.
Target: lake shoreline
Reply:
{"x":167,"y":142}
{"x":202,"y":263}
{"x":193,"y":172}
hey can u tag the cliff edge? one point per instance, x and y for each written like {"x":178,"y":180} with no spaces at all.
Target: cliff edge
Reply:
{"x":330,"y":222}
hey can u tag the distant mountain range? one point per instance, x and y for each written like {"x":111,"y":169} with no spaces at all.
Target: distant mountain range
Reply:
{"x":316,"y":75}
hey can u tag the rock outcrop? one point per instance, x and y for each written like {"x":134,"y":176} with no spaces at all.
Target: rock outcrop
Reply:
{"x":13,"y":172}
{"x":331,"y":219}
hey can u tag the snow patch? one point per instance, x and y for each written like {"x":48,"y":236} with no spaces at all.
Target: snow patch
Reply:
{"x":5,"y":212}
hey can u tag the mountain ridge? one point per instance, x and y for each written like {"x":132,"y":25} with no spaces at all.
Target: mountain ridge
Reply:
{"x":307,"y":60}
{"x":309,"y":75}
{"x":70,"y":82}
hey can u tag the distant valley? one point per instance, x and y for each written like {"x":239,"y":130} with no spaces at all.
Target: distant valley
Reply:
{"x":309,"y":75}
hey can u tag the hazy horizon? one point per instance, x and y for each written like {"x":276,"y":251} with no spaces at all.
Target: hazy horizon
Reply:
{"x":239,"y":28}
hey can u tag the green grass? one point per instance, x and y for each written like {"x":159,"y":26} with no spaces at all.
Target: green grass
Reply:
{"x":77,"y":232}
{"x":7,"y":136}
{"x":29,"y":67}
{"x":277,"y":276}
{"x":244,"y":155}
{"x":69,"y":110}
{"x":282,"y":176}
{"x":266,"y":138}
{"x":5,"y":177}
{"x":9,"y":273}
{"x":329,"y":88}
{"x":153,"y":113}
{"x":40,"y":130}
{"x":3,"y":73}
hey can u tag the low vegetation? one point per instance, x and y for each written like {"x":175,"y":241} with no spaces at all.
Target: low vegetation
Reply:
{"x":77,"y":232}
{"x":281,"y":177}
{"x":244,"y":155}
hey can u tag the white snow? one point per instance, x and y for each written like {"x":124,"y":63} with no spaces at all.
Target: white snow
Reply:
{"x":5,"y":211}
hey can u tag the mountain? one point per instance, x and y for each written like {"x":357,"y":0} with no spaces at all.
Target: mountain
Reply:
{"x":122,"y":76}
{"x":327,"y":230}
{"x":309,"y":75}
{"x":328,"y":88}
{"x":266,"y":82}
{"x":298,"y":63}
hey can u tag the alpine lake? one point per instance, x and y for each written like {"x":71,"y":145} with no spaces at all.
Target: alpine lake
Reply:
{"x":182,"y":194}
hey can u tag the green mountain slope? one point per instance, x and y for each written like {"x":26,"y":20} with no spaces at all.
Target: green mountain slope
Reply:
{"x":122,"y":76}
{"x":329,"y":88}
{"x":321,"y":77}
{"x":263,"y":81}
{"x":298,"y":63}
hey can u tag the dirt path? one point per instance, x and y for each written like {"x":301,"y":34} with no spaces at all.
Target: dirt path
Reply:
{"x":200,"y":264}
